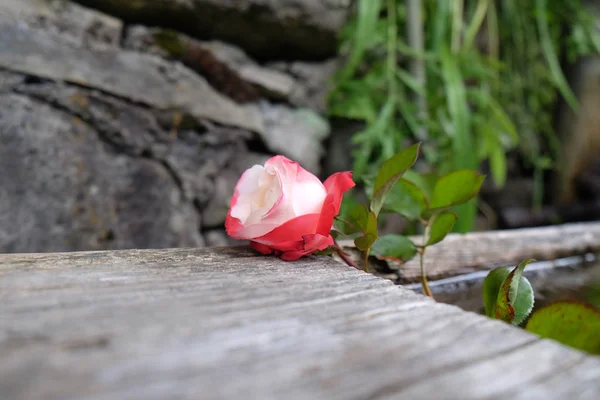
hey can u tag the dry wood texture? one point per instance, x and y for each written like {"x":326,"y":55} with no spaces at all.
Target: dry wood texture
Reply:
{"x":469,"y":252}
{"x":224,"y":323}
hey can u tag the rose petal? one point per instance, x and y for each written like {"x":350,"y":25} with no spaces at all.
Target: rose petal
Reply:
{"x":291,"y":231}
{"x":336,"y":185}
{"x":328,"y":212}
{"x":311,"y":244}
{"x":261,"y":248}
{"x":309,"y":193}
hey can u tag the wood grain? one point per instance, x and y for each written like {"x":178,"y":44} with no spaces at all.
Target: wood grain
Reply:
{"x":469,"y":252}
{"x":224,"y":323}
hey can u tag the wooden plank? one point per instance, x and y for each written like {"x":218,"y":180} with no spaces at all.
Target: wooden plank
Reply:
{"x":224,"y":323}
{"x":470,"y":252}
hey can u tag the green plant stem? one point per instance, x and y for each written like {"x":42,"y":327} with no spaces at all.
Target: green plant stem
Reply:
{"x":391,"y":51}
{"x":424,"y":284}
{"x":457,"y":22}
{"x":367,"y":261}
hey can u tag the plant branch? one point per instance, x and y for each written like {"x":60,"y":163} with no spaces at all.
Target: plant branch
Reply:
{"x":424,"y":284}
{"x":344,"y":256}
{"x":421,"y":249}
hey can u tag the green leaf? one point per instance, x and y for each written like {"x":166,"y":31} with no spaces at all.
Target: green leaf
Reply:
{"x":593,"y":294}
{"x":405,"y":198}
{"x":491,"y":287}
{"x":498,"y":166}
{"x":455,"y":188}
{"x":425,"y":182}
{"x":570,"y":323}
{"x":515,"y":297}
{"x":354,"y":219}
{"x":326,"y":252}
{"x":439,"y":226}
{"x":551,"y":56}
{"x":390,"y":172}
{"x":364,"y":242}
{"x":394,"y":247}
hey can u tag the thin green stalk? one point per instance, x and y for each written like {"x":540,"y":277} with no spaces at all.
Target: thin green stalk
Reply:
{"x":475,"y":25}
{"x":391,"y":50}
{"x":424,"y":284}
{"x":415,"y":36}
{"x":457,"y":24}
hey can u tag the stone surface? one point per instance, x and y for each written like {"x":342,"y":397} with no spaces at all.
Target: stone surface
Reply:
{"x":75,"y":24}
{"x":62,"y":188}
{"x":312,"y":82}
{"x":271,"y":29}
{"x":234,"y":73}
{"x":138,"y":77}
{"x":113,"y":138}
{"x":296,"y":133}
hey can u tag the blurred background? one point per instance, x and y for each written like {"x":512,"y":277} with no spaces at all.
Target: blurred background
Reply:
{"x":126,"y":124}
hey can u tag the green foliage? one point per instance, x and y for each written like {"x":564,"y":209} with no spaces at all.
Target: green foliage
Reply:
{"x":394,"y":247}
{"x":508,"y":295}
{"x":593,"y":295}
{"x":369,"y":230}
{"x":573,"y":324}
{"x":455,"y":188}
{"x":389,"y":173}
{"x":492,"y":78}
{"x":426,"y":198}
{"x":439,"y":226}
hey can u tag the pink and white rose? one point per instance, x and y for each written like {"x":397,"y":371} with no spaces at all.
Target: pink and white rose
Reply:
{"x":284,"y":209}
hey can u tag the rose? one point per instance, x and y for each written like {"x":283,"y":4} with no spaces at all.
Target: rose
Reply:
{"x":284,"y":209}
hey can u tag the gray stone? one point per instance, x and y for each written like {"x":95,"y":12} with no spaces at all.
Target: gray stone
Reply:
{"x":218,"y":237}
{"x":226,"y":67}
{"x":201,"y":157}
{"x":265,"y":29}
{"x":141,"y":78}
{"x":295,"y":133}
{"x":312,"y":82}
{"x":62,"y":188}
{"x":132,"y":129}
{"x":74,"y":23}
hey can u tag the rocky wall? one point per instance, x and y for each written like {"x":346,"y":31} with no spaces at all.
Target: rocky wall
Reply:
{"x":130,"y":130}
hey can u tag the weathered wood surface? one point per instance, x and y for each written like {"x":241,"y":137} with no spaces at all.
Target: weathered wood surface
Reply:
{"x":470,"y":252}
{"x":224,"y":323}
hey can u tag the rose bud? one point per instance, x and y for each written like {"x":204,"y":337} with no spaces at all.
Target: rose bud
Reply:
{"x":284,"y":209}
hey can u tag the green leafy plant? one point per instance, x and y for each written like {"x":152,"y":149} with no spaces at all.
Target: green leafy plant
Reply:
{"x":425,"y":198}
{"x":508,"y":296}
{"x":471,"y":79}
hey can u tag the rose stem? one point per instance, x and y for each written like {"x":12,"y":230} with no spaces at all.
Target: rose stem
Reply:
{"x":344,"y":256}
{"x":424,"y":283}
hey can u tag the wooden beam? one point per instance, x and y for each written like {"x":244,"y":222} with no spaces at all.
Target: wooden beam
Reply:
{"x":224,"y":323}
{"x":470,"y":252}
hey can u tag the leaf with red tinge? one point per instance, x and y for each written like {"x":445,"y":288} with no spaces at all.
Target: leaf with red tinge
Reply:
{"x":508,"y":296}
{"x":570,"y":323}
